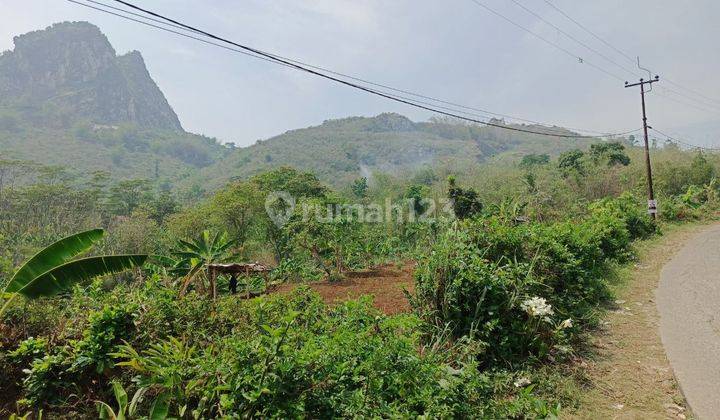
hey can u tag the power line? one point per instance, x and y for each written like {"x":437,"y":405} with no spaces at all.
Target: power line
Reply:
{"x":263,"y":58}
{"x":580,"y":59}
{"x":632,"y":59}
{"x":280,"y":60}
{"x":163,"y":29}
{"x":676,"y":100}
{"x":366,"y":81}
{"x":690,"y":90}
{"x":605,"y":57}
{"x":675,"y":140}
{"x":538,"y":16}
{"x":703,"y":105}
{"x":589,"y":31}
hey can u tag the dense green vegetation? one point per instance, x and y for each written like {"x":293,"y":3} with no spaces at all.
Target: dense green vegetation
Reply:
{"x":338,"y":150}
{"x":510,"y":277}
{"x":123,"y":152}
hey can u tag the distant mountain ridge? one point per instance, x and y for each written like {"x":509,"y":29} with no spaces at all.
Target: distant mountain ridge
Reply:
{"x":341,"y":150}
{"x":73,"y":67}
{"x":67,"y":98}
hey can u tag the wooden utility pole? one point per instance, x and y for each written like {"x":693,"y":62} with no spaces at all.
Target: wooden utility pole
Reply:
{"x":652,"y":204}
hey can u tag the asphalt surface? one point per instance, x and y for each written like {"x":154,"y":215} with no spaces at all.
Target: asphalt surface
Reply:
{"x":688,"y":300}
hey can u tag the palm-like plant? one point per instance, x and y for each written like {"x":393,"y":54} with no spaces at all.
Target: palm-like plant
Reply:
{"x":195,"y":255}
{"x":51,"y":270}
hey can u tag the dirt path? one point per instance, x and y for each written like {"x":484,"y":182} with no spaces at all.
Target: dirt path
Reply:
{"x":630,"y":376}
{"x":688,"y":299}
{"x":385,"y":283}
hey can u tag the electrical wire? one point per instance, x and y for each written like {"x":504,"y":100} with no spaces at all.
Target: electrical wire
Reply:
{"x":675,"y":140}
{"x":577,"y":41}
{"x":702,"y":106}
{"x":547,"y":41}
{"x":714,"y":102}
{"x":692,"y":91}
{"x":632,"y":59}
{"x":379,"y":84}
{"x":281,"y":60}
{"x":253,"y":55}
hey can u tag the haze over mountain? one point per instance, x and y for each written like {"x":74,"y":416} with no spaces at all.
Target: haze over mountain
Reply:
{"x":67,"y":98}
{"x":343,"y":149}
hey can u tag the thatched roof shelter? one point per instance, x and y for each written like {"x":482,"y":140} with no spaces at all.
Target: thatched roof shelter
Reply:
{"x":238,"y":268}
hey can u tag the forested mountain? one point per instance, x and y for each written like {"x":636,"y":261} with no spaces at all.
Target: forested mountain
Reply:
{"x":67,"y":98}
{"x":341,"y":150}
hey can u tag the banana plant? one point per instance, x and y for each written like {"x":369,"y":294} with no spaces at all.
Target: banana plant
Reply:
{"x":52,"y":270}
{"x":195,"y":255}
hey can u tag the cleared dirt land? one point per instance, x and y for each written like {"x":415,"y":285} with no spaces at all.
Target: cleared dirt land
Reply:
{"x":386,"y":283}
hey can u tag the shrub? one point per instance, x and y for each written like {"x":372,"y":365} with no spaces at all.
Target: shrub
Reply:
{"x":301,"y":358}
{"x":482,"y":277}
{"x":46,"y":380}
{"x":108,"y":327}
{"x":465,"y":201}
{"x":485,"y":301}
{"x":28,"y":350}
{"x":626,"y":207}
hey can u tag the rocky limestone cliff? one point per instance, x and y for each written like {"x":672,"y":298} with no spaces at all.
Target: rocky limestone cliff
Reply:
{"x":72,"y":67}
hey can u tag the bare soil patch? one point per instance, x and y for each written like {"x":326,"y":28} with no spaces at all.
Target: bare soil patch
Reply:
{"x":385,"y":282}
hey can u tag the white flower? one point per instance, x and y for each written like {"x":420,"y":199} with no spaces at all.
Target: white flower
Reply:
{"x":537,"y":306}
{"x":521,"y":382}
{"x":566,"y":324}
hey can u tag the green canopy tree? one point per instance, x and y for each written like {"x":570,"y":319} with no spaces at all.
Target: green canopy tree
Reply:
{"x":571,"y":162}
{"x":611,"y":152}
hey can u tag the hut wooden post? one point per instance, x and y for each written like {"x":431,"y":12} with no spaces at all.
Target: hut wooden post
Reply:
{"x":213,"y":283}
{"x":247,"y":282}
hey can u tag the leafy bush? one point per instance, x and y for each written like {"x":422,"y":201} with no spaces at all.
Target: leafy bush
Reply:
{"x":465,"y":201}
{"x":107,"y":329}
{"x":488,"y":301}
{"x":482,"y":277}
{"x":626,"y":207}
{"x":28,"y":350}
{"x":293,"y":356}
{"x":46,"y":380}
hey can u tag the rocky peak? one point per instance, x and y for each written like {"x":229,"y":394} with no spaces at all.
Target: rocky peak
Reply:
{"x":390,"y":121}
{"x":73,"y":66}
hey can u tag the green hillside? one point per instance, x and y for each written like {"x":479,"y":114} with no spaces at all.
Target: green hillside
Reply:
{"x":67,"y":98}
{"x":339,"y":151}
{"x":124,"y":152}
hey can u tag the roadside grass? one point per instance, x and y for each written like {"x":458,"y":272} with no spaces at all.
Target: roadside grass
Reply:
{"x":624,"y":372}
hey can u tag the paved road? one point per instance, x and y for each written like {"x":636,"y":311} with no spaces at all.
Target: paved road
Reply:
{"x":688,"y":300}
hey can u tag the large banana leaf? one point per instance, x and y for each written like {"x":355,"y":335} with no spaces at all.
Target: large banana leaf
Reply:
{"x":64,"y":276}
{"x":52,"y":256}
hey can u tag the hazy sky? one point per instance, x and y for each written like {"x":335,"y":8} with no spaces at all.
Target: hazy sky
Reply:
{"x":451,"y":49}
